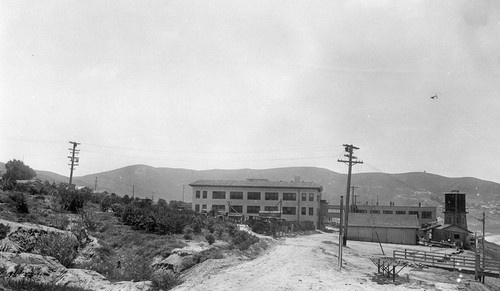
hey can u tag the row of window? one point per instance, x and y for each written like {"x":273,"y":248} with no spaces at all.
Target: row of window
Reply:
{"x":425,"y":214}
{"x":238,"y":195}
{"x":256,"y":209}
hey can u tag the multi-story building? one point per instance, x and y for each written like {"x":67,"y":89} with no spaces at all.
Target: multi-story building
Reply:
{"x":295,"y":201}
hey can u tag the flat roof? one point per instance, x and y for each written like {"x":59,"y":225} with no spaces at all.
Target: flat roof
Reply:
{"x":383,"y":220}
{"x":257,"y":183}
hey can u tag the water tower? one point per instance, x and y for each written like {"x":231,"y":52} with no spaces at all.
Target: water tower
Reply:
{"x":454,"y":209}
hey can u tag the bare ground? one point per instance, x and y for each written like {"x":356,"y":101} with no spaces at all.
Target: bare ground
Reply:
{"x":311,"y":263}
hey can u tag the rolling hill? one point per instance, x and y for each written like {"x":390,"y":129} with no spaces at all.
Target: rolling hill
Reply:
{"x":402,"y":189}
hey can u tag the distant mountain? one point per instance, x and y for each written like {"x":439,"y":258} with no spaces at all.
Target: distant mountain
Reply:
{"x":372,"y":188}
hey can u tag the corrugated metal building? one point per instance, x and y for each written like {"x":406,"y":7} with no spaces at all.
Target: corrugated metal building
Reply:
{"x":383,"y":228}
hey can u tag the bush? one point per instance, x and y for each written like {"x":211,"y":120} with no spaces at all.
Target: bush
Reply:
{"x":20,"y":202}
{"x":260,"y":227}
{"x":71,"y":200}
{"x":165,"y":280}
{"x":4,"y":230}
{"x":188,"y":233}
{"x":210,"y":239}
{"x":34,"y":285}
{"x":62,"y":247}
{"x":243,"y":240}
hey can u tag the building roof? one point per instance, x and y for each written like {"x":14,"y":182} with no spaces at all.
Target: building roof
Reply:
{"x":383,"y":220}
{"x":453,"y":227}
{"x":257,"y":183}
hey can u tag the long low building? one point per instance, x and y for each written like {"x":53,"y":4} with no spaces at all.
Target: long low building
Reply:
{"x":383,"y":228}
{"x":296,"y":201}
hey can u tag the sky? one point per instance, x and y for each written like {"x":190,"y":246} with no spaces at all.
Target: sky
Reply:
{"x":252,"y":84}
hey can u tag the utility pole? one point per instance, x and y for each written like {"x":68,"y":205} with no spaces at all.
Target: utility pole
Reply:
{"x":95,"y":186}
{"x":484,"y":237}
{"x":73,"y":160}
{"x":352,"y":161}
{"x":341,"y":239}
{"x":183,"y":193}
{"x":133,"y":191}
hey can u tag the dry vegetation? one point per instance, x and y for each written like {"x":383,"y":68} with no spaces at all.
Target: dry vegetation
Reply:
{"x":130,"y":233}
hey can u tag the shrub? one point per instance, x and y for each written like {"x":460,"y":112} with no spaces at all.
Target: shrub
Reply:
{"x":260,"y":227}
{"x":210,"y":239}
{"x":4,"y":230}
{"x":243,"y":240}
{"x":188,"y":233}
{"x":71,"y":200}
{"x":88,"y":219}
{"x":32,"y":285}
{"x":165,"y":280}
{"x":62,"y":247}
{"x":20,"y":202}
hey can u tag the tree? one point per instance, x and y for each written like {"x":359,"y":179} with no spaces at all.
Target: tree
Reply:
{"x":17,"y":170}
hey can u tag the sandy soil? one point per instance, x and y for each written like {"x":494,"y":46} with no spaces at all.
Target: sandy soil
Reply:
{"x":311,"y":263}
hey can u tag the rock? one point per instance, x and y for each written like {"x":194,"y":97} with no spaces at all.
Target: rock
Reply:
{"x":88,"y":252}
{"x":23,"y":265}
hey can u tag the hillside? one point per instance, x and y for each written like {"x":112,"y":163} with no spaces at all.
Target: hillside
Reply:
{"x":405,"y":188}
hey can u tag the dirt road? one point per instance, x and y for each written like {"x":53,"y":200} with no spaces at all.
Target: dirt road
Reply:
{"x":311,"y":263}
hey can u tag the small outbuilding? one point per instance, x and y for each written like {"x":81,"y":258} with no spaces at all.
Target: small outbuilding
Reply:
{"x":451,"y":233}
{"x":383,"y":228}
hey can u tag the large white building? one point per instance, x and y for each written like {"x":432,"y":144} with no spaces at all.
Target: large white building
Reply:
{"x":296,"y":201}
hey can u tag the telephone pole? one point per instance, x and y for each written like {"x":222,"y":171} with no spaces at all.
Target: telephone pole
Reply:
{"x":352,"y":161}
{"x":74,"y":160}
{"x":484,"y":237}
{"x":95,"y":186}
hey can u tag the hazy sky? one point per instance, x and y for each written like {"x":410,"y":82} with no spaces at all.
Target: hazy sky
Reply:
{"x":252,"y":84}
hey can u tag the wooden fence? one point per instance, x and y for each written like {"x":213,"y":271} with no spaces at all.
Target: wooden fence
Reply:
{"x":489,"y":268}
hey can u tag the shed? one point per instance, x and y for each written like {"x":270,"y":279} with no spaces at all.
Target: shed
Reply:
{"x":451,"y":233}
{"x":383,"y":228}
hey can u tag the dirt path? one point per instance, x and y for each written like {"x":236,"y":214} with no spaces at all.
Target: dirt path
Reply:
{"x":311,"y":263}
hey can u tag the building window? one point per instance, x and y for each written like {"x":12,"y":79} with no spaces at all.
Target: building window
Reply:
{"x":197,"y":207}
{"x":400,"y":212}
{"x":197,"y":194}
{"x":448,"y":220}
{"x":235,"y":195}
{"x":289,"y":210}
{"x":235,"y":209}
{"x":413,"y":213}
{"x":318,"y":197}
{"x":253,"y":195}
{"x":303,"y":211}
{"x":387,"y":212}
{"x":270,"y":208}
{"x":218,"y":195}
{"x":427,"y":214}
{"x":304,"y":196}
{"x":203,"y":206}
{"x":220,"y":208}
{"x":290,"y":196}
{"x":205,"y":194}
{"x":375,"y":211}
{"x":271,"y":196}
{"x":311,"y":210}
{"x":253,"y":209}
{"x":311,"y":196}
{"x":362,"y":211}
